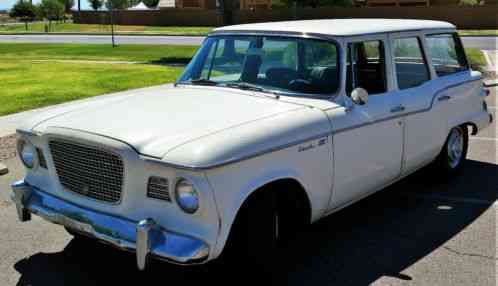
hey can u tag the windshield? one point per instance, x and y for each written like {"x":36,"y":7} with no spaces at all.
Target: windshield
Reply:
{"x":266,"y":63}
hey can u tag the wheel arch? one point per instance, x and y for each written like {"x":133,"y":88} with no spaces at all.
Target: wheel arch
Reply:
{"x":290,"y":184}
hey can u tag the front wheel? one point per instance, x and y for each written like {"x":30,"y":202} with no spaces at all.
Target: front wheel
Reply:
{"x":454,"y":153}
{"x":255,"y":234}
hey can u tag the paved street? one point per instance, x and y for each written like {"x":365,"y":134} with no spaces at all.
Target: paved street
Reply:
{"x":421,"y":231}
{"x":483,"y":43}
{"x":99,"y":39}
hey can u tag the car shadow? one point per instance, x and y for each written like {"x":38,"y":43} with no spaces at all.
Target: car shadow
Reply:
{"x":379,"y":236}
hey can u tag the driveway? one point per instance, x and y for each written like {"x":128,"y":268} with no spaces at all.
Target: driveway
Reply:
{"x":420,"y":231}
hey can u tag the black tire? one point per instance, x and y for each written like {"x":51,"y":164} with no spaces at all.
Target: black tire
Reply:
{"x":254,"y":237}
{"x":452,"y":158}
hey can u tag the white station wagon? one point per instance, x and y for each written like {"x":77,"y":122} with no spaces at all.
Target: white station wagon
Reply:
{"x":270,"y":127}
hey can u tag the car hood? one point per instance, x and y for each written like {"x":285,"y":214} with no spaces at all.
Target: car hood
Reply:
{"x":156,"y":120}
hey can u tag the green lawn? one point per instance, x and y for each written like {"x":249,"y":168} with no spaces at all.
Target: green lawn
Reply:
{"x":147,"y":53}
{"x":105,"y":29}
{"x":478,"y":32}
{"x":476,"y":58}
{"x":27,"y":83}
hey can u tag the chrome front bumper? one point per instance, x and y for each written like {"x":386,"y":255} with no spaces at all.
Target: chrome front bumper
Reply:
{"x":145,"y":237}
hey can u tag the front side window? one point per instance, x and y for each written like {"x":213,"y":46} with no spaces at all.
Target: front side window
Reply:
{"x":276,"y":64}
{"x":447,"y":54}
{"x":366,"y":67}
{"x":411,"y":67}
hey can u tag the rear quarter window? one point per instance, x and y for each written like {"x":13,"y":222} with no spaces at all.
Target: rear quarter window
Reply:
{"x":446,"y":53}
{"x":411,"y":67}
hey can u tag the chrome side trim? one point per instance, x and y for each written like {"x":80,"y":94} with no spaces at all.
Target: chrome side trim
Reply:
{"x":297,"y":142}
{"x":236,"y":159}
{"x":144,"y":237}
{"x":399,"y":115}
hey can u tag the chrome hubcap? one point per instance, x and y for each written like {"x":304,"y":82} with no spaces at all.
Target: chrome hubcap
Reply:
{"x":455,"y":147}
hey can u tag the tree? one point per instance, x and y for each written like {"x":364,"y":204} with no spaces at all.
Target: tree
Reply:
{"x":68,"y":5}
{"x":96,"y":4}
{"x":151,"y":3}
{"x":24,"y":11}
{"x":116,"y":4}
{"x":52,"y":10}
{"x":132,"y":3}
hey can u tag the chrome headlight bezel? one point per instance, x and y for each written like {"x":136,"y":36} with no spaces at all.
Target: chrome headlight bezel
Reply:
{"x":186,"y":196}
{"x":27,"y":153}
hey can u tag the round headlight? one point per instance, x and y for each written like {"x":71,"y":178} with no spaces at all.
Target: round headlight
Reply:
{"x":27,"y":153}
{"x":186,"y":196}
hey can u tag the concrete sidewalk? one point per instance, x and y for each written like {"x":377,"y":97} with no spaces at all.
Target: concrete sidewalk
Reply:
{"x":491,"y":57}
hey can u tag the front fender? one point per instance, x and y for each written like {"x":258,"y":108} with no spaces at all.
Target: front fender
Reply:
{"x":233,"y":184}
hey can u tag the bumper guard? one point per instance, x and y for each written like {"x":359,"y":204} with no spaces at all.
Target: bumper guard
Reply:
{"x":145,"y":237}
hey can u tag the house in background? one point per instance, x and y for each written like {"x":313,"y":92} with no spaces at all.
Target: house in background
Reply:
{"x":211,"y":4}
{"x":196,"y":4}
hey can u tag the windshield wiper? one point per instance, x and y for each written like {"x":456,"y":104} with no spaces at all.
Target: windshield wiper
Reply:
{"x":201,"y":81}
{"x":247,"y":86}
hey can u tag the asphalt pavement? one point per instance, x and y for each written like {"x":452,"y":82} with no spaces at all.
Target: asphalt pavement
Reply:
{"x":103,"y":39}
{"x":483,"y":43}
{"x":420,"y":231}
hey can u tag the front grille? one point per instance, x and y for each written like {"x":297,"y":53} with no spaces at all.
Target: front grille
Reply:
{"x":158,"y":188}
{"x":88,"y":170}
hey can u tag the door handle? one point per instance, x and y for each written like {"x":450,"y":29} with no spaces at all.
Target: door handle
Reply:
{"x":444,"y":98}
{"x":398,"y":108}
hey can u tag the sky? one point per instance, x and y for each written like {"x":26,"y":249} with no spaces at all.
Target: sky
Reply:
{"x":7,"y":4}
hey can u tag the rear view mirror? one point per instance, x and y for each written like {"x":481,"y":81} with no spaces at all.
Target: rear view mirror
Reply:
{"x":359,"y":96}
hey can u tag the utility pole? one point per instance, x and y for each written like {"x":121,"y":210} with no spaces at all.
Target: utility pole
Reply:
{"x":79,"y":5}
{"x":112,"y":26}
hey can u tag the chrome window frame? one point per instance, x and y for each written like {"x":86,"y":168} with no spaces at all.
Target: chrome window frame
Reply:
{"x":335,"y":40}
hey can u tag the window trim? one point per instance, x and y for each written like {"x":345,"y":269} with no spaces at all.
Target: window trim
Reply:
{"x":458,"y":45}
{"x":422,"y":47}
{"x":383,"y":49}
{"x":337,"y":43}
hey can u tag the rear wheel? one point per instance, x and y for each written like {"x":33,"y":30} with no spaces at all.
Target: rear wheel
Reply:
{"x":454,"y":153}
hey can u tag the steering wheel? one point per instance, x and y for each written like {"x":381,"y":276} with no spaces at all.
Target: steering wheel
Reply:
{"x":299,"y":84}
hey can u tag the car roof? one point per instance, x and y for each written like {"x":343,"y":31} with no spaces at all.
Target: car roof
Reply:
{"x":339,"y":27}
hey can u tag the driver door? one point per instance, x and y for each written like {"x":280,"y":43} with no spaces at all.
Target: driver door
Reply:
{"x":368,"y":138}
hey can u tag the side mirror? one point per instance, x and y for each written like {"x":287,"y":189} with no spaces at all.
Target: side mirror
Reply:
{"x":359,"y":96}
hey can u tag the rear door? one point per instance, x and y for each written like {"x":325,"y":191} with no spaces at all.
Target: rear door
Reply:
{"x":425,"y":127}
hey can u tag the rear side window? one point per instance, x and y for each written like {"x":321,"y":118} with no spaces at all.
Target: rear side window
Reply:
{"x":411,"y":67}
{"x":447,"y":54}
